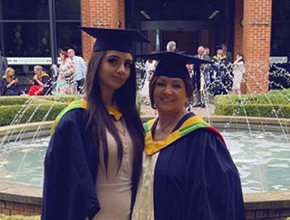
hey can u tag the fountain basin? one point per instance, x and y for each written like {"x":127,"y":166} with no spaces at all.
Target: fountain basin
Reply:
{"x":262,"y":203}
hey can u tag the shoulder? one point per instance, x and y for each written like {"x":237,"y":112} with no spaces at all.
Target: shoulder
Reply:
{"x":73,"y":119}
{"x":207,"y":136}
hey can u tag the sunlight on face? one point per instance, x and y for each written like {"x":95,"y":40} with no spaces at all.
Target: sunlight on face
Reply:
{"x":114,"y":70}
{"x":170,"y":95}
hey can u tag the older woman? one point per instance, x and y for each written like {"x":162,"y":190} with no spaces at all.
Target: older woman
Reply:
{"x":188,"y":172}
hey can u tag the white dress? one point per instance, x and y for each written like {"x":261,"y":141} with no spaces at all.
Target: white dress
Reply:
{"x":238,"y":70}
{"x":114,"y":189}
{"x":149,"y":69}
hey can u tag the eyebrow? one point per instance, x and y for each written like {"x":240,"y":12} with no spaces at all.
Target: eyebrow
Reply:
{"x":117,"y":57}
{"x":174,"y":81}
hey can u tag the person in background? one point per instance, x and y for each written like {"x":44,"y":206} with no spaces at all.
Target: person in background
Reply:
{"x":221,"y":74}
{"x":207,"y":51}
{"x":41,"y":83}
{"x":188,"y":172}
{"x":239,"y":70}
{"x":227,"y":53}
{"x":65,"y":83}
{"x":3,"y":64}
{"x":171,"y":46}
{"x":9,"y":84}
{"x":199,"y":78}
{"x":80,"y":69}
{"x":94,"y":157}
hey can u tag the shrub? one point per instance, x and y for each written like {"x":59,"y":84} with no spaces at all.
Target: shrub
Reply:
{"x":272,"y":104}
{"x":24,"y":109}
{"x":19,"y":114}
{"x":18,"y":217}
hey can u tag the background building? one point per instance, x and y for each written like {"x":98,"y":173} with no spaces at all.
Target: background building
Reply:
{"x":259,"y":28}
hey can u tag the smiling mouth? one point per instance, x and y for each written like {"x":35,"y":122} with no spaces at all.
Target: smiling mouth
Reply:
{"x":118,"y":79}
{"x":166,"y":100}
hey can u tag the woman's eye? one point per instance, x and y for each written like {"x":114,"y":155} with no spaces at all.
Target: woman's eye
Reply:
{"x":176,"y":86}
{"x":112,"y":61}
{"x":160,"y":84}
{"x":128,"y":65}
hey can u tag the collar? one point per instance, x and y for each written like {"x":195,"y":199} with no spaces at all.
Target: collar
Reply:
{"x":189,"y":125}
{"x":114,"y":111}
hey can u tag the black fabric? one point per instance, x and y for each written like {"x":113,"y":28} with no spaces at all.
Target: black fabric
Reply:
{"x":115,"y":39}
{"x":196,"y":179}
{"x":70,"y":171}
{"x":11,"y":91}
{"x":173,"y":64}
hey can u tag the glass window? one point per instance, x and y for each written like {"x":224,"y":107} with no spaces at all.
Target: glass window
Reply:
{"x":27,"y":39}
{"x":67,"y":9}
{"x":25,"y":9}
{"x":280,"y":43}
{"x":69,"y":35}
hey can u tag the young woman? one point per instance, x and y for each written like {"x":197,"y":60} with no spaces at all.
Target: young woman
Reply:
{"x":9,"y":84}
{"x":93,"y":161}
{"x":65,"y":83}
{"x":41,"y":83}
{"x":239,"y":70}
{"x":187,"y":170}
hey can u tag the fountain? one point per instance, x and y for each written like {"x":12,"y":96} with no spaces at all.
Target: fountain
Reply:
{"x":260,"y":146}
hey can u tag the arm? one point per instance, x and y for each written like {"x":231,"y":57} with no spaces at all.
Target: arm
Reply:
{"x":83,"y":67}
{"x":213,"y":188}
{"x":68,"y":192}
{"x":5,"y":62}
{"x":37,"y":81}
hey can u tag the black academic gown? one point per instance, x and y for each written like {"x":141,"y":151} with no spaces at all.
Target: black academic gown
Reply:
{"x":70,"y":171}
{"x":195,"y":179}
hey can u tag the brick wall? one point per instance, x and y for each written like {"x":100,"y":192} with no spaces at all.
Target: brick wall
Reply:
{"x":273,"y":214}
{"x":103,"y":14}
{"x":256,"y":43}
{"x":238,"y":30}
{"x":14,"y":208}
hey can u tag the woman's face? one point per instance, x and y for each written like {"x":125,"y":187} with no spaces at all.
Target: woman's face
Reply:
{"x":114,"y":70}
{"x":170,"y":95}
{"x":11,"y":73}
{"x":37,"y":71}
{"x":61,"y":56}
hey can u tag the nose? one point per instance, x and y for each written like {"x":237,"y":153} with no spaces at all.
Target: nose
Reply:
{"x":121,"y":69}
{"x":167,"y":90}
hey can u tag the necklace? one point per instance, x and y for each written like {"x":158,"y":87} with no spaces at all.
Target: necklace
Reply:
{"x":171,"y":124}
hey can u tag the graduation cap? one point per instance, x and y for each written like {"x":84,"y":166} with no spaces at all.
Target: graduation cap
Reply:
{"x":172,"y":64}
{"x":219,"y":47}
{"x":115,"y":39}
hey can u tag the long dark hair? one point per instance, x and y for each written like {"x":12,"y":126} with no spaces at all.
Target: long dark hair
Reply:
{"x":99,"y":120}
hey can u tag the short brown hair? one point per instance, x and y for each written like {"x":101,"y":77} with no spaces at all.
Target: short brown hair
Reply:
{"x":152,"y":85}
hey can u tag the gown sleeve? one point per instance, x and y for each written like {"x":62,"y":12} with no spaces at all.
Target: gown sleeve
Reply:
{"x":68,"y":192}
{"x":212,"y":184}
{"x":4,"y":83}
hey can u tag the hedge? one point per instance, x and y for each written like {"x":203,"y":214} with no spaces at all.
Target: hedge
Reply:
{"x":19,"y":217}
{"x":272,"y":104}
{"x":20,"y":100}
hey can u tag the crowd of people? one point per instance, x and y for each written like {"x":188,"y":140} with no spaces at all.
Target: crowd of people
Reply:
{"x":220,"y":76}
{"x":67,"y":78}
